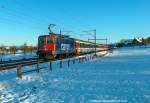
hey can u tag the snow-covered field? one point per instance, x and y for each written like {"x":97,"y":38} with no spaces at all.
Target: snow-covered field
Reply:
{"x":120,"y":77}
{"x":7,"y":57}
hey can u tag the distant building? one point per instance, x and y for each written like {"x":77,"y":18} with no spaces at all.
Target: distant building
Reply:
{"x":132,"y":42}
{"x":126,"y":41}
{"x":138,"y":40}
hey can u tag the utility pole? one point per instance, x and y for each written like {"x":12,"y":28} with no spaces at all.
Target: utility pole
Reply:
{"x":105,"y":39}
{"x":94,"y":31}
{"x":95,"y":39}
{"x":61,"y":38}
{"x":49,"y":28}
{"x":60,"y":44}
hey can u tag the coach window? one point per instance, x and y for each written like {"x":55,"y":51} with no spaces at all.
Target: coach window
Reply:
{"x":80,"y":45}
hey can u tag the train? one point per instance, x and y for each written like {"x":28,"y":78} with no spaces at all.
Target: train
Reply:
{"x":56,"y":45}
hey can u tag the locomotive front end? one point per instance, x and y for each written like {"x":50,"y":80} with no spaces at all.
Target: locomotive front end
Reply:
{"x":46,"y":47}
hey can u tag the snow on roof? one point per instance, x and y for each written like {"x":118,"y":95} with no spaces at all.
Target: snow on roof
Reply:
{"x":138,"y":39}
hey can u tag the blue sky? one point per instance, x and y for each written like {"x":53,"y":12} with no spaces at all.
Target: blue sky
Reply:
{"x":24,"y":20}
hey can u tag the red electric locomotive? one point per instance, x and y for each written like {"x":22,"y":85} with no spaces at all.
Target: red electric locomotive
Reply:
{"x":52,"y":45}
{"x":46,"y":46}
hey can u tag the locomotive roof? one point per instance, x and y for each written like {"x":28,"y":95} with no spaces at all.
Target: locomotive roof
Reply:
{"x":83,"y":41}
{"x":60,"y":35}
{"x":67,"y":36}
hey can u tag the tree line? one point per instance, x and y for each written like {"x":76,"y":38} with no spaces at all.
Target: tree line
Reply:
{"x":135,"y":42}
{"x":17,"y":49}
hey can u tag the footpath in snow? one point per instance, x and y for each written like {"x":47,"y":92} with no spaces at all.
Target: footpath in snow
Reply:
{"x":119,"y":77}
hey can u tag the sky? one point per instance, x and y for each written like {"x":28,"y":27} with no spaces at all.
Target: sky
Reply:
{"x":24,"y":20}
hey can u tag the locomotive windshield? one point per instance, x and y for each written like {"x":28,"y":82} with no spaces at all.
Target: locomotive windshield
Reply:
{"x":41,"y":40}
{"x":50,"y":40}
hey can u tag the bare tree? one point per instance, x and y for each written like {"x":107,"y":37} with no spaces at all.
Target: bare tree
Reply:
{"x":2,"y":51}
{"x":13,"y":49}
{"x":23,"y":48}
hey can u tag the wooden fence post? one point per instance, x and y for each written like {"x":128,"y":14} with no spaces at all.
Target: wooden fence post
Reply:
{"x":73,"y":61}
{"x":85,"y":58}
{"x":38,"y":65}
{"x":68,"y":62}
{"x":82,"y":59}
{"x":50,"y":66}
{"x":60,"y":64}
{"x":79,"y":60}
{"x":19,"y":71}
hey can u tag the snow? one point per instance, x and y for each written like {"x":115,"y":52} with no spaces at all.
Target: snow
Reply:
{"x":120,"y":77}
{"x":17,"y":56}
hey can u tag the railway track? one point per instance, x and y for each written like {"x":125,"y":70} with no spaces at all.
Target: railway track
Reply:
{"x":11,"y":61}
{"x":14,"y":63}
{"x":5,"y":65}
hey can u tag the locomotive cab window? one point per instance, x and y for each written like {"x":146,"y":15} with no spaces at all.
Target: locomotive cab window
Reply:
{"x":41,"y":40}
{"x":50,"y":40}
